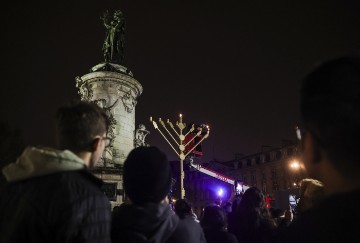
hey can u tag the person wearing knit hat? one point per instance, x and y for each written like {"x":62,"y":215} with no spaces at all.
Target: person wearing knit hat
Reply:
{"x":147,"y":175}
{"x":148,"y":216}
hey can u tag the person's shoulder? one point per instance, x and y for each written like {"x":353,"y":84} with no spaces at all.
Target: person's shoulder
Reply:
{"x":80,"y":183}
{"x":187,"y":230}
{"x":217,"y":235}
{"x":230,"y":238}
{"x":85,"y":177}
{"x":308,"y":227}
{"x":191,"y":225}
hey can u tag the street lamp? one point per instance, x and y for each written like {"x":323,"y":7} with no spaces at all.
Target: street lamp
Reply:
{"x":180,"y":144}
{"x":296,"y":167}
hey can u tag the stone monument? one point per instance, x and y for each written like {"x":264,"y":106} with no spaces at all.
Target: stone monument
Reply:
{"x":111,"y":85}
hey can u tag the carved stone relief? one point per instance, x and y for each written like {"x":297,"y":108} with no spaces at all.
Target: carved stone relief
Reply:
{"x":129,"y":102}
{"x":140,"y":134}
{"x":111,"y":131}
{"x":84,"y":89}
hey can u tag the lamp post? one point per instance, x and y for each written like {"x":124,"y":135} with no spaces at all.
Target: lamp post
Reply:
{"x":180,"y":143}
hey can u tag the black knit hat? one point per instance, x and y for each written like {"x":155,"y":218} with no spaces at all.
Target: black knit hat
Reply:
{"x":147,"y":175}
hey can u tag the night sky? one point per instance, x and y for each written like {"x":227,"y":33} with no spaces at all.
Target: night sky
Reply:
{"x":235,"y":65}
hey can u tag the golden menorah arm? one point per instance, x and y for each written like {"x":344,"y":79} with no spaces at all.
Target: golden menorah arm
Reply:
{"x":206,"y":135}
{"x":157,"y":128}
{"x":191,"y":129}
{"x":192,"y":138}
{"x":168,"y":142}
{"x":154,"y":123}
{"x":163,"y":124}
{"x":173,"y":128}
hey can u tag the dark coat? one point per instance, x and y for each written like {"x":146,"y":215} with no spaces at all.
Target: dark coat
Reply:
{"x":219,"y":236}
{"x":151,"y":223}
{"x":336,"y":219}
{"x":66,"y":206}
{"x":193,"y":228}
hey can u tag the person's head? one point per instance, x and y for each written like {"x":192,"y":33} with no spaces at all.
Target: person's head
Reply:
{"x":254,"y":198}
{"x":100,"y":102}
{"x":253,"y":211}
{"x":182,"y":207}
{"x":147,"y":175}
{"x":141,"y":127}
{"x":118,"y":15}
{"x":276,"y":212}
{"x":330,"y":113}
{"x":81,"y":127}
{"x":227,"y":207}
{"x":311,"y":193}
{"x":199,"y":127}
{"x":213,"y":217}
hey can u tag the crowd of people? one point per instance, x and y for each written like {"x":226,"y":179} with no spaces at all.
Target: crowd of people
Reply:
{"x":51,"y":196}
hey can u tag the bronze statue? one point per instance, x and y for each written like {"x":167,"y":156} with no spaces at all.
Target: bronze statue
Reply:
{"x":113,"y":47}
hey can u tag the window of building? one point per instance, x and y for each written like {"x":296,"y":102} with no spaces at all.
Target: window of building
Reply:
{"x":263,"y":175}
{"x":275,"y":186}
{"x":267,"y":157}
{"x":290,"y":151}
{"x":278,"y":155}
{"x":257,"y":160}
{"x":273,"y":173}
{"x":248,"y":162}
{"x":264,"y":189}
{"x":253,"y":177}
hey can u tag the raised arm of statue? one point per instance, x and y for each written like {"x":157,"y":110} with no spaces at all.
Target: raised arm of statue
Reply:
{"x":105,"y":18}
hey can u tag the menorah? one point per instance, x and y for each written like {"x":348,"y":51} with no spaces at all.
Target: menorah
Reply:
{"x":180,"y":144}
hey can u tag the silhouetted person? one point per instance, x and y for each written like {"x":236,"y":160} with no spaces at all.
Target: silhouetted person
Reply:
{"x":50,"y":195}
{"x":253,"y":222}
{"x":232,"y":215}
{"x":184,"y":210}
{"x":214,"y":223}
{"x":148,"y":218}
{"x":330,"y":132}
{"x":311,"y":194}
{"x":279,"y":214}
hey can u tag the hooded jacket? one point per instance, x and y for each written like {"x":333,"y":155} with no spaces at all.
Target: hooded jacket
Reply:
{"x":51,"y":197}
{"x":150,"y":223}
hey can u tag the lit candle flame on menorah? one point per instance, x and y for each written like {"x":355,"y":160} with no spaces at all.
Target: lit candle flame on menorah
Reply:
{"x":180,"y":142}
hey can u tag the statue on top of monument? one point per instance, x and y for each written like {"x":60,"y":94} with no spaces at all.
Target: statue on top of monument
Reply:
{"x":113,"y":47}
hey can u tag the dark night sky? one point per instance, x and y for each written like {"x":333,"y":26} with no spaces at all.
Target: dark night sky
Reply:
{"x":235,"y":65}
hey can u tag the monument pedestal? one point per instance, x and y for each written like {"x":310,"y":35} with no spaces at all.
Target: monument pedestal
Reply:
{"x":112,"y":87}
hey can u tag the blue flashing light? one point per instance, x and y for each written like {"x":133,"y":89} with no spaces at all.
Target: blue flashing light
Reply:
{"x":220,"y":192}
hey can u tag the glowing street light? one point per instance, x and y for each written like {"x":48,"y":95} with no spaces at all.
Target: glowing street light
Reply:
{"x":295,"y":165}
{"x":297,"y":168}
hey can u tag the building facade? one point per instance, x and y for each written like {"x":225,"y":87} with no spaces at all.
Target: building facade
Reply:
{"x":270,"y":170}
{"x":273,"y":171}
